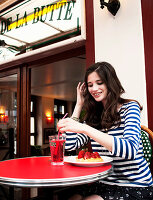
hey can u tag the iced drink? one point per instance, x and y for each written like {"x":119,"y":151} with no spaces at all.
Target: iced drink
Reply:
{"x":57,"y":146}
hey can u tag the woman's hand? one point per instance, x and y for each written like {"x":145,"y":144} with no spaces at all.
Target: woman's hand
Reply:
{"x":69,"y":125}
{"x":80,"y":100}
{"x":80,"y":93}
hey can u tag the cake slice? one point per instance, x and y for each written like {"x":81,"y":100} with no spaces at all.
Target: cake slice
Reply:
{"x":88,"y":157}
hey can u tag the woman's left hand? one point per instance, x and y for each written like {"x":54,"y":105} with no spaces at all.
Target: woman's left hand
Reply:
{"x":69,"y":125}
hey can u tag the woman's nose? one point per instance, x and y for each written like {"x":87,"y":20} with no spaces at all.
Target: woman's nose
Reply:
{"x":95,"y":87}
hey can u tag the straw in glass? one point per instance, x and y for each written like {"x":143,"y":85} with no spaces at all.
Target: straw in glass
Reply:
{"x":62,"y":118}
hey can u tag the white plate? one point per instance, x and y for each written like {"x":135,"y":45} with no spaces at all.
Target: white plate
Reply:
{"x":72,"y":160}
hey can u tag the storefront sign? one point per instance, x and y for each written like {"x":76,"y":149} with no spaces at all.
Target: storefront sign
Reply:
{"x":39,"y":14}
{"x":33,"y":24}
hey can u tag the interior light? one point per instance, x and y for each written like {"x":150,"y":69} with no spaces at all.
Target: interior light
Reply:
{"x":49,"y":118}
{"x":3,"y":116}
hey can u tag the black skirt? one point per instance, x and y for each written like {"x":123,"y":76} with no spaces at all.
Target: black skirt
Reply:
{"x":114,"y":192}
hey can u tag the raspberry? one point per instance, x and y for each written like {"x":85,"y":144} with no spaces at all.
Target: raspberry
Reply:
{"x":81,"y":154}
{"x":87,"y":155}
{"x":93,"y":155}
{"x":96,"y":154}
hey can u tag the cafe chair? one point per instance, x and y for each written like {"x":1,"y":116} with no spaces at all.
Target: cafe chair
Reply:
{"x":147,"y":142}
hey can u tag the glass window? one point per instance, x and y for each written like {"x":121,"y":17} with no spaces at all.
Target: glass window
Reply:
{"x":31,"y":106}
{"x":61,"y":109}
{"x":8,"y":114}
{"x":32,"y":125}
{"x":32,"y":140}
{"x":55,"y":108}
{"x":33,"y":121}
{"x":52,"y":90}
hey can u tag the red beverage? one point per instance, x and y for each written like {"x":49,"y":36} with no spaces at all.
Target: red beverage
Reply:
{"x":57,"y":145}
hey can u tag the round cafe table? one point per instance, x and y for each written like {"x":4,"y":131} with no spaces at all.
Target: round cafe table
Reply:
{"x":38,"y":172}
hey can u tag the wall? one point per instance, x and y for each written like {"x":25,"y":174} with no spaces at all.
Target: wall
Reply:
{"x":119,"y":40}
{"x":47,"y":106}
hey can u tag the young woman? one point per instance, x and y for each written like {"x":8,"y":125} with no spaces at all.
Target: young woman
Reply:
{"x":112,"y":124}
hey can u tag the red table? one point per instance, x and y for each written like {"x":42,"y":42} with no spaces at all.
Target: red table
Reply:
{"x":38,"y":172}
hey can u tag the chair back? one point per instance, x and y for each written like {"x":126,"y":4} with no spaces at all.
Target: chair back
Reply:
{"x":147,"y":142}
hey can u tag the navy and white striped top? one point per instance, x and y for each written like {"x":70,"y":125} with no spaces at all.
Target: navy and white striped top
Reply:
{"x":129,"y":166}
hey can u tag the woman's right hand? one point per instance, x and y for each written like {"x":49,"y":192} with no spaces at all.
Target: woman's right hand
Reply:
{"x":80,"y":93}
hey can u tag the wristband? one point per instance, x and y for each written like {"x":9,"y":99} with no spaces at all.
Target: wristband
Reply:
{"x":75,"y":118}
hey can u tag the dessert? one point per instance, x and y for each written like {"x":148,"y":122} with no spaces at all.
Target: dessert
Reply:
{"x":88,"y":157}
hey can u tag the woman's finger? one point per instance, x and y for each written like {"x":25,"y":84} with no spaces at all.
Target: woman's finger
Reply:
{"x":83,"y":87}
{"x":62,"y":123}
{"x":79,"y":85}
{"x":61,"y":130}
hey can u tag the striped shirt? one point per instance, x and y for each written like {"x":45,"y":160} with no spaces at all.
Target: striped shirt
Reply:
{"x":129,"y":166}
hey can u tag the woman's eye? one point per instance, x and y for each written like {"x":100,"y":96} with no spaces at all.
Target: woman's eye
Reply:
{"x":100,"y":83}
{"x":89,"y":85}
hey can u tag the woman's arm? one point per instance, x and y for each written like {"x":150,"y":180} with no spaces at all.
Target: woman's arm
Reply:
{"x":75,"y":141}
{"x":125,"y":147}
{"x":70,"y":125}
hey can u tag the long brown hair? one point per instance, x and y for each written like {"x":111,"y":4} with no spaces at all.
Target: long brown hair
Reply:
{"x":95,"y":114}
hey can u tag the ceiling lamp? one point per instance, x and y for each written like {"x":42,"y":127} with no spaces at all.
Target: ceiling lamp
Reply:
{"x":112,"y":6}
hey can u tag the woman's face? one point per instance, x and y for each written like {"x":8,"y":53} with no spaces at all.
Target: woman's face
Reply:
{"x":97,"y":88}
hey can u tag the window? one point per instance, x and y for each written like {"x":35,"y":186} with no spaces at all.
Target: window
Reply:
{"x":32,"y":127}
{"x":32,"y":121}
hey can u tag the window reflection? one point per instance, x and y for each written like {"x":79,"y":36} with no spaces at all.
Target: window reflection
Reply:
{"x":32,"y":127}
{"x":8,"y":107}
{"x":53,"y":91}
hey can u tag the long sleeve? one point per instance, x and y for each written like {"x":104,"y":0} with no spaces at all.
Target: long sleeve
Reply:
{"x":129,"y":165}
{"x":127,"y":146}
{"x":75,"y":141}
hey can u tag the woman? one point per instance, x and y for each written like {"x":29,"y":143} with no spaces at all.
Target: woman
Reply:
{"x":113,"y":125}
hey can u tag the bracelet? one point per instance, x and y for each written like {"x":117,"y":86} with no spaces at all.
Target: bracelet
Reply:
{"x":75,"y":118}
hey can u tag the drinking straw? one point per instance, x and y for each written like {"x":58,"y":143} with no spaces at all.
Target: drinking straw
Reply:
{"x":65,"y":115}
{"x":57,"y":148}
{"x":62,"y":118}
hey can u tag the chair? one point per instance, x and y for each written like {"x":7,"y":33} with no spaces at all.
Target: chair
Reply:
{"x":147,"y":142}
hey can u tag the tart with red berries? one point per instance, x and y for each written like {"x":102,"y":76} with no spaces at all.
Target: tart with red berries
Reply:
{"x":88,"y":157}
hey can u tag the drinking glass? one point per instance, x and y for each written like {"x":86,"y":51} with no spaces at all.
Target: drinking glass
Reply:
{"x":57,"y":146}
